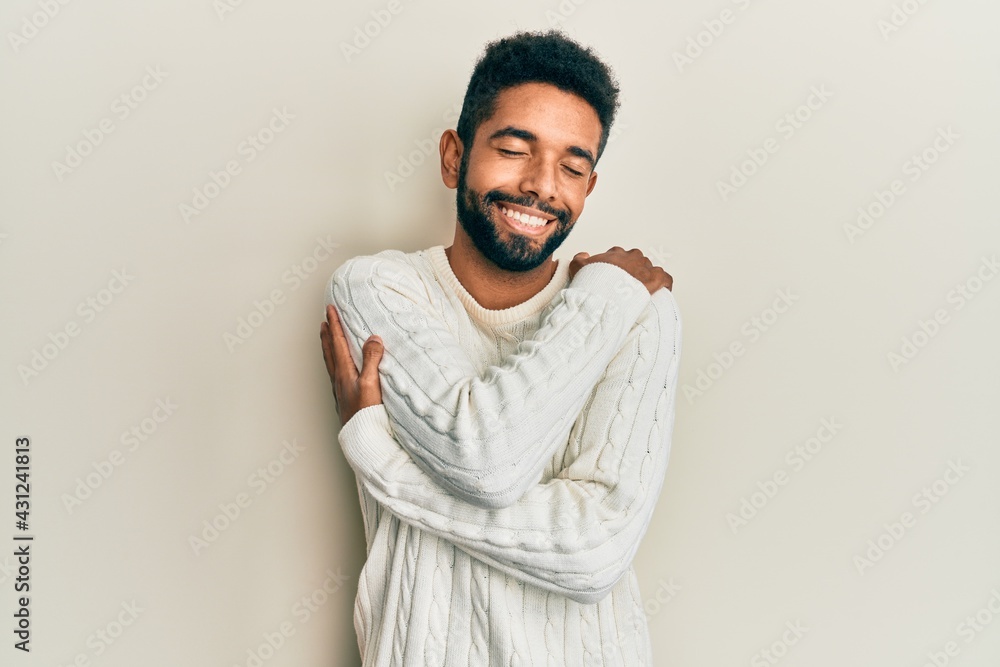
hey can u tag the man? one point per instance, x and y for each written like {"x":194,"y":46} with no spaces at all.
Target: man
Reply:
{"x":511,"y":422}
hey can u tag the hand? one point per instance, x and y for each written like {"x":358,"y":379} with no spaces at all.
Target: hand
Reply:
{"x":352,"y":391}
{"x":633,"y":261}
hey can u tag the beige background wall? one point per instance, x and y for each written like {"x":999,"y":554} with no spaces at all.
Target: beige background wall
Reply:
{"x":791,"y":311}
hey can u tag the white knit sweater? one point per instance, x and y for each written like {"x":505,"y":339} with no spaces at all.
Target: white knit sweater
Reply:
{"x":512,"y":470}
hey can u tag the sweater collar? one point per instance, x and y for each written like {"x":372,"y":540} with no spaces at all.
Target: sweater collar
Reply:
{"x":439,"y":260}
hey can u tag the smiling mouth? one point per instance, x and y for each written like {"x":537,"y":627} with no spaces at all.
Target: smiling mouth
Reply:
{"x":520,"y":221}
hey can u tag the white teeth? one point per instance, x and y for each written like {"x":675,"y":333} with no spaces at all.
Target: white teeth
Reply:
{"x":524,"y":218}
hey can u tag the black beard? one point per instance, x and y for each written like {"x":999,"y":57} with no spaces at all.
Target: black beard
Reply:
{"x":520,"y":253}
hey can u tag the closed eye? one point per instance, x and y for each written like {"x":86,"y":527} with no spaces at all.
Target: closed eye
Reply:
{"x":572,"y":171}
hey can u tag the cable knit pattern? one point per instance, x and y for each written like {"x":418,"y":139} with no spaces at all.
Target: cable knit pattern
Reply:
{"x":437,"y":622}
{"x":521,"y":451}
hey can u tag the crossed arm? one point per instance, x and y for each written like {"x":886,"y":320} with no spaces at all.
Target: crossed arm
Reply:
{"x":577,"y":533}
{"x":483,"y":435}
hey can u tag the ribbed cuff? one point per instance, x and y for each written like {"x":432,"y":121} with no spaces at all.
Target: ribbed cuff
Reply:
{"x":361,"y":435}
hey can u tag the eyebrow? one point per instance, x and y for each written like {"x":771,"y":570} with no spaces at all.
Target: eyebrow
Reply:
{"x":518,"y":133}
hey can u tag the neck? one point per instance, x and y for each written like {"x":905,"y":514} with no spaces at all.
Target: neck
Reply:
{"x":492,"y":287}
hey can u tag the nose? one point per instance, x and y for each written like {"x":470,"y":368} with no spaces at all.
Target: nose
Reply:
{"x":539,"y":178}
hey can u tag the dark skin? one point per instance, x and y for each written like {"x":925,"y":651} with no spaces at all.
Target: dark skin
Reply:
{"x":351,"y":390}
{"x":546,"y":168}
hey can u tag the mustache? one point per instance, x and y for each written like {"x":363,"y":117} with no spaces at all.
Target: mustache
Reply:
{"x":493,"y":196}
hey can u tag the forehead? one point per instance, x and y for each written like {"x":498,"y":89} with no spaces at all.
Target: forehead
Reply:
{"x":553,"y":115}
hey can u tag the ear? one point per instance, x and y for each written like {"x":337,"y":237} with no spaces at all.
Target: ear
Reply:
{"x":592,"y":183}
{"x":451,"y":156}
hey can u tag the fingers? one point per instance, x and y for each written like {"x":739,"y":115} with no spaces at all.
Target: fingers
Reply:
{"x":639,"y":265}
{"x":579,"y":261}
{"x":331,"y":364}
{"x":341,"y":353}
{"x":371,"y":354}
{"x":326,"y":340}
{"x":657,"y":278}
{"x":665,"y":279}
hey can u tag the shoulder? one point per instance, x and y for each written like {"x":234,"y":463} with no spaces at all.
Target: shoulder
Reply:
{"x":387,"y":270}
{"x":384,"y":261}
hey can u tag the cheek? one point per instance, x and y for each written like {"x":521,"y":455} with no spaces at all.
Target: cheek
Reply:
{"x":488,"y":166}
{"x":575,"y":200}
{"x":503,"y":174}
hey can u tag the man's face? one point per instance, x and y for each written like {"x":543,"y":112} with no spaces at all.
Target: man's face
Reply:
{"x":534,"y":157}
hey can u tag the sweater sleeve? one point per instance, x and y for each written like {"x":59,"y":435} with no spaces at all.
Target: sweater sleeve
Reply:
{"x":577,"y":533}
{"x":484,"y":435}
